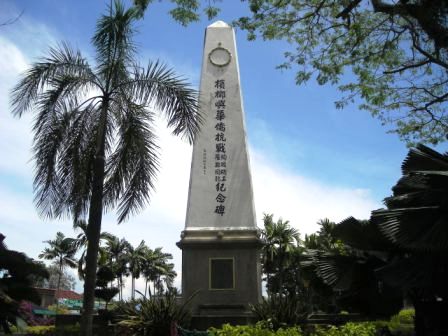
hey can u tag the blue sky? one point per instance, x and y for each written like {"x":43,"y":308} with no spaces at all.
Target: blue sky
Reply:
{"x":309,"y":160}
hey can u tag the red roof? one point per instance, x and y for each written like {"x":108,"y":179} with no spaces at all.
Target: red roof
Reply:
{"x":62,"y":294}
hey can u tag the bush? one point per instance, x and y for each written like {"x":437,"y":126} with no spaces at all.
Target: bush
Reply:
{"x":26,"y":312}
{"x":279,"y":311}
{"x":151,"y":317}
{"x":402,"y":324}
{"x":61,"y":309}
{"x":406,"y":316}
{"x":40,"y":330}
{"x":348,"y":329}
{"x":257,"y":330}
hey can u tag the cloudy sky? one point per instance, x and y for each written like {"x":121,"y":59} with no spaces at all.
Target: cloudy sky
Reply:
{"x":309,"y":161}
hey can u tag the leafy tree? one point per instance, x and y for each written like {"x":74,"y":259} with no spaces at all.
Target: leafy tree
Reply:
{"x":185,"y":11}
{"x":66,"y":281}
{"x":104,"y":276}
{"x":17,"y":273}
{"x":94,"y":143}
{"x":396,"y":50}
{"x":393,"y":55}
{"x":62,"y":252}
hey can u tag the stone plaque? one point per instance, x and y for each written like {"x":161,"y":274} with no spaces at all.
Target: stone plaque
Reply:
{"x":222,"y":273}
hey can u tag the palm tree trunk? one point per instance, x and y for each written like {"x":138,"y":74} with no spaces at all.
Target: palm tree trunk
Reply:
{"x":132,"y":287}
{"x":146,"y":286}
{"x":94,"y":227}
{"x":58,"y":286}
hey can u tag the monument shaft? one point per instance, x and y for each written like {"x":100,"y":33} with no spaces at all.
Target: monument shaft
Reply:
{"x":220,"y":244}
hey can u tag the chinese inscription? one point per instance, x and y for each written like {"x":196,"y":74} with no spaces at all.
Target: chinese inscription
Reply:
{"x":220,"y":147}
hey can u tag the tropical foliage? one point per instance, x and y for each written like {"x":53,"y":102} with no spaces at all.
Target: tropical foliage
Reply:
{"x":280,"y":311}
{"x":279,"y":242}
{"x":415,"y":223}
{"x":350,"y":270}
{"x":17,"y":272}
{"x":152,"y":317}
{"x":62,"y":252}
{"x":94,"y":142}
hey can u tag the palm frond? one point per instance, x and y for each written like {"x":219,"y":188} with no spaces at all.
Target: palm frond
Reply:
{"x":62,"y":63}
{"x":424,"y":158}
{"x":160,"y":87}
{"x":113,"y":41}
{"x":132,"y":167}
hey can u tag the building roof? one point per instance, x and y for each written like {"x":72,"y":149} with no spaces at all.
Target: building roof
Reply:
{"x":62,"y":293}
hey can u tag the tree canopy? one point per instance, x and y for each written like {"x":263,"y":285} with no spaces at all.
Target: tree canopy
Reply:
{"x":388,"y":56}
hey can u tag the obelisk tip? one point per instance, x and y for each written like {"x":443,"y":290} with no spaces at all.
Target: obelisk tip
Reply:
{"x":219,"y":24}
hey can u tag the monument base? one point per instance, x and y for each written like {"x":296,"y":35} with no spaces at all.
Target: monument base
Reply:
{"x":221,"y":275}
{"x":203,"y":322}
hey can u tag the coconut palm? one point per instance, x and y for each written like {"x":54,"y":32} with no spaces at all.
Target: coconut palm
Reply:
{"x":62,"y":252}
{"x":94,"y":142}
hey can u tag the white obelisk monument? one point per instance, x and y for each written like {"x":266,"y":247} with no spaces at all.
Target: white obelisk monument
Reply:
{"x":220,"y":243}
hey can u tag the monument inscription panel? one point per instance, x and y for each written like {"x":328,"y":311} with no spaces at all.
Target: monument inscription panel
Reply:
{"x":222,"y":273}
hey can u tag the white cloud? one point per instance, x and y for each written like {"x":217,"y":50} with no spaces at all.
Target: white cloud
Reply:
{"x":301,"y":200}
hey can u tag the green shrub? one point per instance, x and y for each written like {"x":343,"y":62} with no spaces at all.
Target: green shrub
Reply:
{"x":40,"y":330}
{"x":257,"y":330}
{"x":348,"y":329}
{"x":151,"y":317}
{"x":406,"y":316}
{"x":402,"y":324}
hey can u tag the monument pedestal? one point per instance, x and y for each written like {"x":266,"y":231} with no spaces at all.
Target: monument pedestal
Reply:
{"x":220,"y":275}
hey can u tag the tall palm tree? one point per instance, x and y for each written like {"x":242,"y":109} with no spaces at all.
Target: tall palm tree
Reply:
{"x":136,"y":259}
{"x":117,"y":250}
{"x":158,"y":270}
{"x":94,"y":142}
{"x":62,"y":251}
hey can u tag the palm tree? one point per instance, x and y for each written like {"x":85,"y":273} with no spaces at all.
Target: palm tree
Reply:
{"x":136,"y":259}
{"x":158,"y":270}
{"x":415,"y":221}
{"x":62,"y":251}
{"x":279,"y":239}
{"x":81,"y":243}
{"x":117,"y":250}
{"x":94,"y":141}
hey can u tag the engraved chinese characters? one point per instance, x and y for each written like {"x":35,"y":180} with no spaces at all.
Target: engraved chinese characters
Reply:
{"x":220,"y":150}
